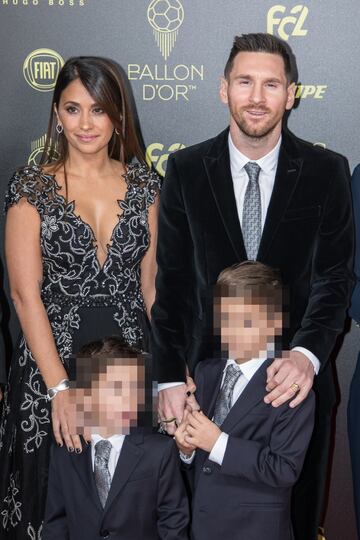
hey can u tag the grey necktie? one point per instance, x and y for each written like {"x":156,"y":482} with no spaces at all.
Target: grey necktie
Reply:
{"x":101,"y":470}
{"x":251,"y":219}
{"x":223,"y":401}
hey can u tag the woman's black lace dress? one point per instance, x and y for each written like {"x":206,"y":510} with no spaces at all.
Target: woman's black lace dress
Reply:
{"x":84,"y":301}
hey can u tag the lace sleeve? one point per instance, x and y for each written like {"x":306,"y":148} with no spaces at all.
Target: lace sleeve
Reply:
{"x":148,"y":180}
{"x":29,"y":183}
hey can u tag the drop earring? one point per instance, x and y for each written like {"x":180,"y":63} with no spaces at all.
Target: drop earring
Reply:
{"x":59,"y":128}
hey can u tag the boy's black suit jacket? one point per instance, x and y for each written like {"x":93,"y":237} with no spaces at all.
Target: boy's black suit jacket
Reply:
{"x":146,"y":501}
{"x":248,"y":497}
{"x":308,"y":236}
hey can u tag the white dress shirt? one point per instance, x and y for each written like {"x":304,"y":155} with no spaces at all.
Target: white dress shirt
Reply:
{"x":116,"y":442}
{"x":268,"y":165}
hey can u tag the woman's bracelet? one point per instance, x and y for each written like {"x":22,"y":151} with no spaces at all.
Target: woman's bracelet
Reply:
{"x":63,"y":385}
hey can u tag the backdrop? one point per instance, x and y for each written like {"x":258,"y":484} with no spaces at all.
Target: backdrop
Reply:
{"x":173,"y":52}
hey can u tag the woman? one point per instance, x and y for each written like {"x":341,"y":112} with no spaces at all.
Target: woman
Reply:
{"x":80,"y":248}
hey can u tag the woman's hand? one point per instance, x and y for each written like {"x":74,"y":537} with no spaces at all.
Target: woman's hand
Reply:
{"x":63,"y":421}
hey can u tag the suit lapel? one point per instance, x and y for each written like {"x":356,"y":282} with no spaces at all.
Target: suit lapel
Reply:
{"x":211,"y":386}
{"x":83,"y":466}
{"x":253,"y":393}
{"x":217,"y":165}
{"x":287,"y":175}
{"x":130,"y":454}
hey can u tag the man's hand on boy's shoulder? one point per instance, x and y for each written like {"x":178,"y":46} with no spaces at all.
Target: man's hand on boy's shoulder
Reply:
{"x":287,"y":377}
{"x":201,"y":432}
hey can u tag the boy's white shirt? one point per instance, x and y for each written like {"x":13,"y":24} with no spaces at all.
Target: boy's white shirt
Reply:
{"x":117,"y":442}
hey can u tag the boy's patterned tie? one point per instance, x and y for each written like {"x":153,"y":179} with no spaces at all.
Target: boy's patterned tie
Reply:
{"x":101,"y":471}
{"x":223,"y":401}
{"x":251,"y":219}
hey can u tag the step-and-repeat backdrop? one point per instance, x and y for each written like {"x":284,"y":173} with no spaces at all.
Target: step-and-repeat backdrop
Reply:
{"x":173,"y":52}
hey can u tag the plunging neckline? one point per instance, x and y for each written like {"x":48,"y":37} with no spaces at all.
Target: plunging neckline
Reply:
{"x":94,"y":240}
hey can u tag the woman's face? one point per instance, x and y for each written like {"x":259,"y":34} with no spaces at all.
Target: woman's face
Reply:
{"x":87,"y":127}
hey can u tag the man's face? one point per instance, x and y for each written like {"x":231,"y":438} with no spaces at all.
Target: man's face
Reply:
{"x":247,"y":327}
{"x":112,"y":404}
{"x":257,"y":93}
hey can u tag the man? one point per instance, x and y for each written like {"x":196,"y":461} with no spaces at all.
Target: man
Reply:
{"x":257,"y":192}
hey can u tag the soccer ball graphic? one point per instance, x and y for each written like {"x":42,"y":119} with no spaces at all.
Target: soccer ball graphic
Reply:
{"x":165,"y":15}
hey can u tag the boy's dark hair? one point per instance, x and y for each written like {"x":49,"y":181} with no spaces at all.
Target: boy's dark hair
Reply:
{"x":260,"y":42}
{"x":100,"y":353}
{"x":253,"y":278}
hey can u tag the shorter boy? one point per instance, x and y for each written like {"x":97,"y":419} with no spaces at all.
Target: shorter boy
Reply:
{"x":126,"y":484}
{"x":249,"y":456}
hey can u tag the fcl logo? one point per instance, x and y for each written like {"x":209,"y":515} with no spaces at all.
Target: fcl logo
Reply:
{"x":165,"y":17}
{"x":156,"y":156}
{"x":41,"y":68}
{"x":295,"y":20}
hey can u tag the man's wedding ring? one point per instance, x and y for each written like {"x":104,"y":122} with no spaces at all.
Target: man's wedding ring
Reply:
{"x":295,"y":387}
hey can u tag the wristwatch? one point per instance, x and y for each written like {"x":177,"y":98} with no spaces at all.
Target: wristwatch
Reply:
{"x":63,"y":385}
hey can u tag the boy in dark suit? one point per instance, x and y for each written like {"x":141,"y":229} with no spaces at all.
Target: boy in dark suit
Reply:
{"x":126,"y":483}
{"x":248,"y":457}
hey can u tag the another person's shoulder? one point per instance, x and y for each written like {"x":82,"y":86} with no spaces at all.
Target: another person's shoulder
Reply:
{"x":160,"y":444}
{"x":31,"y":182}
{"x":142,"y":177}
{"x":190,"y":154}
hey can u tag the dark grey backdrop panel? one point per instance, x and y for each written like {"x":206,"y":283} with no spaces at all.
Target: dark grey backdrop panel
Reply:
{"x":177,"y":97}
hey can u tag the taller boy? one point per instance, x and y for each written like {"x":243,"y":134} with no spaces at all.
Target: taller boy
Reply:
{"x":257,"y":192}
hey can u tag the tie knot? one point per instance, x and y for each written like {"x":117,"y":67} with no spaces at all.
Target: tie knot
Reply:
{"x":233,"y":371}
{"x":253,"y":170}
{"x":103,"y":449}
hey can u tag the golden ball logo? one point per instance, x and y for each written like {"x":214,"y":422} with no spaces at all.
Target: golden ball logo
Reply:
{"x":155,"y":155}
{"x":41,"y":68}
{"x":165,"y":17}
{"x":37,"y":149}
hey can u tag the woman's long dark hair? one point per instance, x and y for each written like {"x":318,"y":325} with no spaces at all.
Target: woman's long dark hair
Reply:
{"x":106,"y":83}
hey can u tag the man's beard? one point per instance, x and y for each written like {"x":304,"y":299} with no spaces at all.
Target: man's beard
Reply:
{"x":256,"y":133}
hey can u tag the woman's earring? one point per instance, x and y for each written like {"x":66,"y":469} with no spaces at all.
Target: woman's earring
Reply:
{"x":117,"y":131}
{"x":59,"y":128}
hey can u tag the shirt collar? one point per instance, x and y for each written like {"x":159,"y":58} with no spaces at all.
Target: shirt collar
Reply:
{"x":116,"y":440}
{"x":267,"y":163}
{"x":250,"y":367}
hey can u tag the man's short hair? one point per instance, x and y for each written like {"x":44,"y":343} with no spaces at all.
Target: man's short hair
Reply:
{"x":251,"y":279}
{"x":260,"y":42}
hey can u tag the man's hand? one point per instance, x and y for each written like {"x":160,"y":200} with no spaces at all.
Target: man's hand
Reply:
{"x":172,"y":405}
{"x":286,"y":375}
{"x":201,"y":432}
{"x":191,"y":403}
{"x":180,"y":435}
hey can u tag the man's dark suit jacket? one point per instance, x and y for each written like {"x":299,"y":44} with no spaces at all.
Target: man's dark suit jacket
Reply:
{"x":308,"y":235}
{"x":248,"y":497}
{"x":146,"y":501}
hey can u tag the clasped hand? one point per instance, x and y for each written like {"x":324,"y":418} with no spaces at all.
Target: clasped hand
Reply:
{"x":196,"y":431}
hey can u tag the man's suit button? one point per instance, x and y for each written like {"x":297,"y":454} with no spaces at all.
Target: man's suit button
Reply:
{"x":104,"y":533}
{"x":207,"y":470}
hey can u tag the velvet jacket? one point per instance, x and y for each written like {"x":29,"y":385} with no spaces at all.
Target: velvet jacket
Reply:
{"x":308,"y":235}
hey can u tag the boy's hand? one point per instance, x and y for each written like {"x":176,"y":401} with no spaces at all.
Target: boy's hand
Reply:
{"x":180,"y":434}
{"x":201,"y":432}
{"x":190,"y":403}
